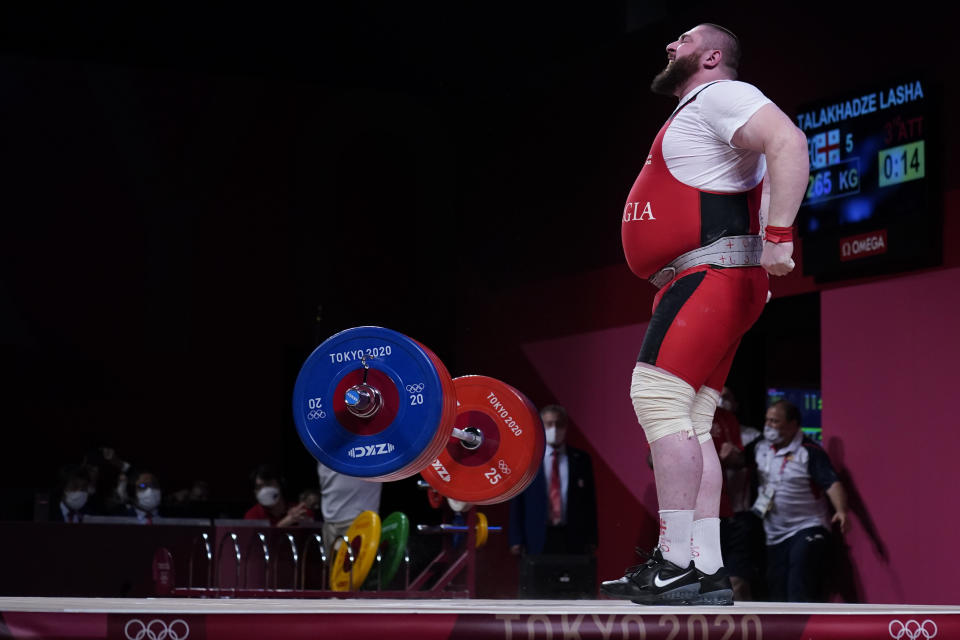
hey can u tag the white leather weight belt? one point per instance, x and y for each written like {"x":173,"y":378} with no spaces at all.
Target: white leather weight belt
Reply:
{"x":731,"y":251}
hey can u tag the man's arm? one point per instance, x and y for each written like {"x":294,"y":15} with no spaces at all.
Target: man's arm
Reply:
{"x":769,"y":131}
{"x":838,"y":498}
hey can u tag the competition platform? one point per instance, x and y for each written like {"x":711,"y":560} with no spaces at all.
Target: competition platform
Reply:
{"x":373,"y":403}
{"x":242,"y":619}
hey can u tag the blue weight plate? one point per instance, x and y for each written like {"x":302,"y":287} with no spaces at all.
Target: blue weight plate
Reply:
{"x":384,"y":446}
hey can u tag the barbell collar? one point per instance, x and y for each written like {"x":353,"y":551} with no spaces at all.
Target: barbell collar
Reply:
{"x":470,"y":437}
{"x":363,"y":401}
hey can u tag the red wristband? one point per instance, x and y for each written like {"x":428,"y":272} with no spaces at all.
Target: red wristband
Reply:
{"x":778,"y":234}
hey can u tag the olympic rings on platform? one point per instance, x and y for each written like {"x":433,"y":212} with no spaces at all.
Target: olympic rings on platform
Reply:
{"x":912,"y":630}
{"x":137,"y":629}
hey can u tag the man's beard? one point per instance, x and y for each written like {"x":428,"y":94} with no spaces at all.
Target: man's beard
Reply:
{"x":675,"y":75}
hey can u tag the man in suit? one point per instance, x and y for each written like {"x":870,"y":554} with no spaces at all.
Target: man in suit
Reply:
{"x":557,"y":514}
{"x":70,"y":503}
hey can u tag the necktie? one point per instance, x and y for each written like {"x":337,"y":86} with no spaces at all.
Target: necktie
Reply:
{"x":556,"y":500}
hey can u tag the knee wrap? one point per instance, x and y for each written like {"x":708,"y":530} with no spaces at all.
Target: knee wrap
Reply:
{"x":662,"y":402}
{"x":701,"y":413}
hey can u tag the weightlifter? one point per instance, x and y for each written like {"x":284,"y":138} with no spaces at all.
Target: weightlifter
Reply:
{"x":707,"y":219}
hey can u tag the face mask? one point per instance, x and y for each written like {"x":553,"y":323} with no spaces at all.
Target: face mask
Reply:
{"x":75,"y":500}
{"x":771,"y":435}
{"x":551,"y":434}
{"x":268,"y":496}
{"x":148,"y":499}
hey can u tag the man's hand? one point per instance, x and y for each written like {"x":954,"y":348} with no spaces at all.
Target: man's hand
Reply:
{"x":516,"y":549}
{"x":841,"y":518}
{"x":776,"y":258}
{"x":295,"y":515}
{"x":838,"y":498}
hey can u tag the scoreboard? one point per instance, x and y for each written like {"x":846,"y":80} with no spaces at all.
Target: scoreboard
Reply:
{"x":871,"y":203}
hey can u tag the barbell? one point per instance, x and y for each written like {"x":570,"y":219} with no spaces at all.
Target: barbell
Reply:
{"x":376,"y":404}
{"x":482,"y":529}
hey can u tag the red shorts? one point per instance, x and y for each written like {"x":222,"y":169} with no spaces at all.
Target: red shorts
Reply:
{"x":699,"y":319}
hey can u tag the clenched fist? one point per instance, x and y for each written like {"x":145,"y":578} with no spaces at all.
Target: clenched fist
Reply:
{"x":777,"y":258}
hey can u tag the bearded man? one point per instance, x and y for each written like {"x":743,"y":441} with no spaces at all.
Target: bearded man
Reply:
{"x":707,"y":219}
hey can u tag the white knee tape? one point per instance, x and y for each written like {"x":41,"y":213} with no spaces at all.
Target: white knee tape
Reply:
{"x":662,"y":402}
{"x":701,"y":413}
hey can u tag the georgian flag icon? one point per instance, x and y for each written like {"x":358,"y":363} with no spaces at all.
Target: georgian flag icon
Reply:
{"x":825,"y":149}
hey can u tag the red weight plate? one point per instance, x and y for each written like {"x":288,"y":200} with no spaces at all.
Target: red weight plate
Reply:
{"x":445,"y":424}
{"x":510,"y":455}
{"x":541,"y":446}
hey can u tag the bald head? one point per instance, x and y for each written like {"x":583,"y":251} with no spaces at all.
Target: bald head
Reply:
{"x":717,"y":37}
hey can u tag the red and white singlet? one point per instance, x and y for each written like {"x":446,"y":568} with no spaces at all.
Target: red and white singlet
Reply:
{"x":664,"y":217}
{"x":694,"y":189}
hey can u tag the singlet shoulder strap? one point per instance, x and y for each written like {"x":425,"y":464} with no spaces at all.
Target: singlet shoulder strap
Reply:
{"x":692,"y":98}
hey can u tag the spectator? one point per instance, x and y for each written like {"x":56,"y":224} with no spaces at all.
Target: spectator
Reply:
{"x":146,"y":497}
{"x":72,"y":490}
{"x":108,"y":480}
{"x":311,"y":499}
{"x":794,"y":474}
{"x":342,"y":499}
{"x":192,"y":502}
{"x":268,"y":487}
{"x":199,"y":492}
{"x":728,"y":400}
{"x":557,"y":513}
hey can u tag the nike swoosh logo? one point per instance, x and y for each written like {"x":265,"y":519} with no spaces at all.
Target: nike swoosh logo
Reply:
{"x":663,"y":583}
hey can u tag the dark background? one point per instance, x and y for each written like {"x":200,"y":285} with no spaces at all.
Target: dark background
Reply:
{"x":195,"y":198}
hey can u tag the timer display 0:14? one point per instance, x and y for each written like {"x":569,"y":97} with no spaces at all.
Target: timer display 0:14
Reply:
{"x":901,"y":164}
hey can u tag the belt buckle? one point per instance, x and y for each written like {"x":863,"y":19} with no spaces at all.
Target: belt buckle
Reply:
{"x":663,"y":277}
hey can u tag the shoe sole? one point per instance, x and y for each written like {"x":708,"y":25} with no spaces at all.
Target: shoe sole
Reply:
{"x":618,"y":596}
{"x":719,"y":598}
{"x":679,"y":596}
